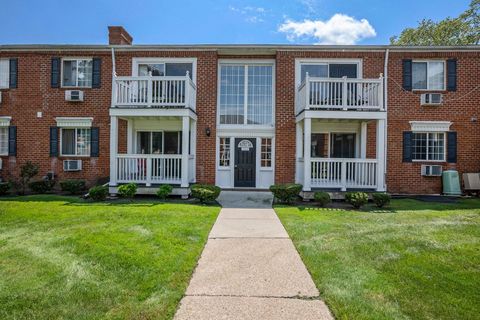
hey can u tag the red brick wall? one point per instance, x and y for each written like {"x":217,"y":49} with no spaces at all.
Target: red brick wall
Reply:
{"x":459,"y":108}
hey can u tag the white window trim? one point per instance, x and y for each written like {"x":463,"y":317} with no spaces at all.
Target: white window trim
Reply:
{"x":430,"y":126}
{"x":428,"y":82}
{"x":269,"y":168}
{"x":76,"y":81}
{"x":427,"y":146}
{"x":5,"y":121}
{"x":230,"y":144}
{"x":299,"y":62}
{"x":160,"y":60}
{"x":246,"y":62}
{"x":74,"y":155}
{"x":74,"y":122}
{"x":8,"y":73}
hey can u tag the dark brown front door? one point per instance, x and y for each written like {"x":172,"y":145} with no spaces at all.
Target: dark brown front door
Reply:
{"x":245,"y":152}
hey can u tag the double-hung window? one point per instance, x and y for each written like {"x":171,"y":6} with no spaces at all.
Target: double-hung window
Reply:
{"x":428,"y":146}
{"x":75,"y":141}
{"x":4,"y":73}
{"x":3,"y":141}
{"x":246,"y":94}
{"x":77,"y":73}
{"x":428,"y":75}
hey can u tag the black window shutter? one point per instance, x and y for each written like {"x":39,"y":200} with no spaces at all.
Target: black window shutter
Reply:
{"x":12,"y":141}
{"x":94,"y":145}
{"x":96,"y":72}
{"x":407,"y":146}
{"x":13,"y":81}
{"x":452,"y":146}
{"x":53,"y":141}
{"x":55,"y":80}
{"x":452,"y":75}
{"x":407,"y":74}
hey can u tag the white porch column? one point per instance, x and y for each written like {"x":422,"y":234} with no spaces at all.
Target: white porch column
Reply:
{"x":193,"y":148}
{"x":298,"y":152}
{"x":363,"y":140}
{"x":307,"y":174}
{"x":185,"y":133}
{"x":130,"y":136}
{"x":381,"y":156}
{"x":113,"y":149}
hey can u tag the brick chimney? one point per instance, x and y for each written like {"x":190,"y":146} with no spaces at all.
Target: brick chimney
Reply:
{"x":119,"y":36}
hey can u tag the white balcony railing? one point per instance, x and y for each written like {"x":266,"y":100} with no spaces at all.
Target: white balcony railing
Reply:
{"x":149,"y":169}
{"x":344,"y":173}
{"x":154,"y":92}
{"x":340,"y":94}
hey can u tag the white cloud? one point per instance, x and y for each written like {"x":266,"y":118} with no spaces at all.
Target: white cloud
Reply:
{"x":339,"y":29}
{"x":251,"y":14}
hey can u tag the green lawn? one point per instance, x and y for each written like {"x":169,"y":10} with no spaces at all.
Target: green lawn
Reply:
{"x":413,"y":260}
{"x":64,"y":258}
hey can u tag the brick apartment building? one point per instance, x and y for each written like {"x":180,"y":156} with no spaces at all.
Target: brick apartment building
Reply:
{"x":329,"y":117}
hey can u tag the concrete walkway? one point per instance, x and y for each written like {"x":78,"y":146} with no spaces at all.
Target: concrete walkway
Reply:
{"x":249,"y":268}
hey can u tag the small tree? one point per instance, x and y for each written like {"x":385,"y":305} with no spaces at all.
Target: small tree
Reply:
{"x":27,"y":171}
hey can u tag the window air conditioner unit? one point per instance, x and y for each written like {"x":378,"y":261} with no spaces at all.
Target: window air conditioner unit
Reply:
{"x":431,"y":99}
{"x":74,"y":95}
{"x":72,"y":165}
{"x":431,"y":170}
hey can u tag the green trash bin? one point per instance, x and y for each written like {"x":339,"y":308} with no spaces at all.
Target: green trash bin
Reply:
{"x":451,"y":183}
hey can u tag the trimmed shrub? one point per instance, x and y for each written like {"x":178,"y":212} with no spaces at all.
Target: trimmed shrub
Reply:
{"x":286,"y":193}
{"x":42,"y":186}
{"x":73,"y":186}
{"x":28,"y":170}
{"x":4,"y":188}
{"x":98,"y":193}
{"x":127,"y":190}
{"x":381,"y":199}
{"x":205,"y":192}
{"x":164,"y":191}
{"x":323,"y":198}
{"x":356,"y":199}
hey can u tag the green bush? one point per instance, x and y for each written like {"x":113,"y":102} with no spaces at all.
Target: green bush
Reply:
{"x":98,"y":193}
{"x":164,"y":191}
{"x":4,"y":188}
{"x":28,"y":170}
{"x":205,"y":192}
{"x":73,"y":186}
{"x":323,"y":198}
{"x":127,"y":190}
{"x":356,"y":199}
{"x":42,"y":186}
{"x":381,"y":199}
{"x":286,"y":193}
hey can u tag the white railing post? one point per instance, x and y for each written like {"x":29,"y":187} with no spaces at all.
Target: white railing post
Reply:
{"x":380,"y":94}
{"x":363,"y":139}
{"x":113,"y":150}
{"x":185,"y":134}
{"x":307,"y":91}
{"x":344,"y":93}
{"x":114,"y":91}
{"x":149,"y":90}
{"x":148,"y":181}
{"x":343,"y":177}
{"x":187,"y":91}
{"x":307,"y":171}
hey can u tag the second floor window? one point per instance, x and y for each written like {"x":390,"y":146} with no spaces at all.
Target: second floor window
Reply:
{"x":75,"y":142}
{"x":3,"y":141}
{"x":428,"y":75}
{"x":77,"y":73}
{"x":165,"y":69}
{"x":246,"y":94}
{"x":4,"y":73}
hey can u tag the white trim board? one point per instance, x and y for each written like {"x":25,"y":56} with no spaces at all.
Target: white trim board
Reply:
{"x":430,"y":126}
{"x":74,"y":122}
{"x":5,"y":121}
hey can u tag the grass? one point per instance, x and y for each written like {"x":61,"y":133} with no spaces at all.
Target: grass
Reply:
{"x":65,"y":258}
{"x":413,"y":260}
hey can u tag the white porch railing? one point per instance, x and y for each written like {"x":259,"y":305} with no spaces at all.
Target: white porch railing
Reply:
{"x":154,"y":92}
{"x":340,"y":94}
{"x":344,"y":173}
{"x":149,"y":169}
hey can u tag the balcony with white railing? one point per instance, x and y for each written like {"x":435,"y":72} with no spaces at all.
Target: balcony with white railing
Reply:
{"x":340,"y":94}
{"x":151,"y":169}
{"x":154,"y":92}
{"x":343,"y":173}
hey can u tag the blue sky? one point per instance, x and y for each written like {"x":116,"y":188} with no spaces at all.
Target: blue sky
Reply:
{"x":221,"y":21}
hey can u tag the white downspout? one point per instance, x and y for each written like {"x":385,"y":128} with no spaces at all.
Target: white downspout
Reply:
{"x":385,"y":97}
